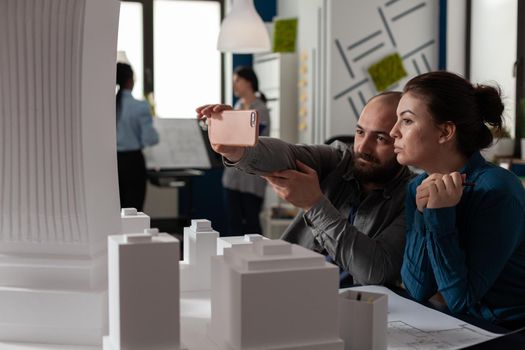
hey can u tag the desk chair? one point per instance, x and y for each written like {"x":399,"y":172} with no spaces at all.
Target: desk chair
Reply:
{"x":349,"y":139}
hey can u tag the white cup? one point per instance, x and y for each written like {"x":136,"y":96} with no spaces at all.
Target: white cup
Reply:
{"x":363,"y":320}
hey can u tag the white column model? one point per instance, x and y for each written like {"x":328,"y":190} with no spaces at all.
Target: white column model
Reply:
{"x":274,"y":295}
{"x":200,"y":244}
{"x":58,"y":181}
{"x":144,"y":311}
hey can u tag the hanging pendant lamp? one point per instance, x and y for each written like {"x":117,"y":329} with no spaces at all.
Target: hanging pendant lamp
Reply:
{"x":243,"y":30}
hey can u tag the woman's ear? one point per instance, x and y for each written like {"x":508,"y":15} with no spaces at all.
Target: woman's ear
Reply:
{"x":448,"y":131}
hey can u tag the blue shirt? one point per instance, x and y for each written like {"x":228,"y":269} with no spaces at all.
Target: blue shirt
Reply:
{"x":134,"y":125}
{"x":473,"y":253}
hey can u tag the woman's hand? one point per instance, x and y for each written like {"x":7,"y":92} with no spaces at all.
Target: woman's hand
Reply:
{"x":445,"y":192}
{"x":232,"y":153}
{"x":422,"y":191}
{"x":440,"y":191}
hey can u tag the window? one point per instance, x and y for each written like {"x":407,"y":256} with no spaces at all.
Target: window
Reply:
{"x":187,"y":62}
{"x":172,"y":46}
{"x":130,"y":41}
{"x":494,"y":39}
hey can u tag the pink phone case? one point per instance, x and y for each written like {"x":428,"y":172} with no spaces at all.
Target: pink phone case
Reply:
{"x":234,"y":128}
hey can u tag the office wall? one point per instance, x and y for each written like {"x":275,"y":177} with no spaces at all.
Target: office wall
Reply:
{"x":337,"y":43}
{"x":361,"y":36}
{"x":309,"y":36}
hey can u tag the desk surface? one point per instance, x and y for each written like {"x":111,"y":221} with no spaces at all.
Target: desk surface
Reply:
{"x":196,"y":311}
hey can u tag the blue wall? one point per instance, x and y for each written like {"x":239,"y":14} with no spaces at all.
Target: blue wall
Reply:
{"x":267,"y":9}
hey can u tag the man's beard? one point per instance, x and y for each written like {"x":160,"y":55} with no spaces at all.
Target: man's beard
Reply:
{"x":374,"y":171}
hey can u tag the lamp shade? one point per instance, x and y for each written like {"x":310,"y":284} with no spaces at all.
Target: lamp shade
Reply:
{"x":243,"y":30}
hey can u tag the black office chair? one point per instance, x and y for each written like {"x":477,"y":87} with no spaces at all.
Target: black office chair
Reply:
{"x":349,"y":139}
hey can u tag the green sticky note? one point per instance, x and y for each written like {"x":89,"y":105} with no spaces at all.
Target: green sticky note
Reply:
{"x":387,"y":71}
{"x":284,"y":35}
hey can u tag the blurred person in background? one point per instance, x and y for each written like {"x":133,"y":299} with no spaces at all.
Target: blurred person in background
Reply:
{"x":134,"y":132}
{"x":244,"y":193}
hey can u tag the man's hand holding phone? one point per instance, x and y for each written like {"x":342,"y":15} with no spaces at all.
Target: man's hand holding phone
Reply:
{"x":230,"y":132}
{"x":207,"y":110}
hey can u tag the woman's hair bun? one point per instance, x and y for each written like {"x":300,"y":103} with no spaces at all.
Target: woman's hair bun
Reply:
{"x":490,"y":105}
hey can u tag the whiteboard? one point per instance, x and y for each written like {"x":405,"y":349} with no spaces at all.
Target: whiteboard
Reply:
{"x":181,"y":146}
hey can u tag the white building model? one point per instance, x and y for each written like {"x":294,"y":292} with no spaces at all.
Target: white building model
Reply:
{"x":144,"y":306}
{"x":228,"y":242}
{"x":200,"y":244}
{"x":274,"y":295}
{"x":133,"y":221}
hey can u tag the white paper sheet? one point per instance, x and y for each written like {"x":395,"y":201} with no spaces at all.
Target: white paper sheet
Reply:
{"x":181,"y":146}
{"x":414,"y":326}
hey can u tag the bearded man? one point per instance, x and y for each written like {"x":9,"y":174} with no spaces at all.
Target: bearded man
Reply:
{"x":351,"y":197}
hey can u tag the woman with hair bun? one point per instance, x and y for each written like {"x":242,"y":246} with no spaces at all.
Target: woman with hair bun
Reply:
{"x":244,"y":193}
{"x":465,"y":216}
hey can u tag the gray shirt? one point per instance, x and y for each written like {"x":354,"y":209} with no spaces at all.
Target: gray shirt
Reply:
{"x":371,"y":248}
{"x":234,"y":179}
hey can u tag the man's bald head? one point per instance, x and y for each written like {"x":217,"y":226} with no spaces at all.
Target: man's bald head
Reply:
{"x":390,"y":98}
{"x":375,"y":160}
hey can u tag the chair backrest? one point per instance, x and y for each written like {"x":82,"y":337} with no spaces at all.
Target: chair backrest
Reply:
{"x":349,"y":139}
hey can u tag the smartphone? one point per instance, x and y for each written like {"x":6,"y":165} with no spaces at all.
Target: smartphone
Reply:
{"x":234,"y":128}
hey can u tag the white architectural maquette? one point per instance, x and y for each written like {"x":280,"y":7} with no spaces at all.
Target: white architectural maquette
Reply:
{"x":228,"y":242}
{"x":134,"y":221}
{"x":363,"y":320}
{"x":200,"y":244}
{"x":58,"y":180}
{"x":274,"y":295}
{"x":144,"y":306}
